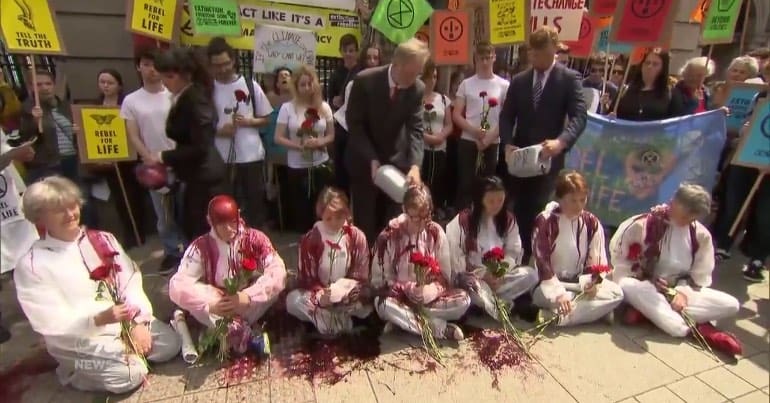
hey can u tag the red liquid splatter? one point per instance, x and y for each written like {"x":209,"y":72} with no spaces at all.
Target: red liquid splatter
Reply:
{"x":242,"y":368}
{"x":496,"y":352}
{"x":15,"y":380}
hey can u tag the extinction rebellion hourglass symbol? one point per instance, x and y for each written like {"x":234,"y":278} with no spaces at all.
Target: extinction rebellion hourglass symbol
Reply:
{"x":646,"y":8}
{"x":451,"y":29}
{"x":400,"y":13}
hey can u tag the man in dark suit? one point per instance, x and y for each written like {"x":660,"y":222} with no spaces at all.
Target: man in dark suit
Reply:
{"x":384,"y":117}
{"x":539,"y":100}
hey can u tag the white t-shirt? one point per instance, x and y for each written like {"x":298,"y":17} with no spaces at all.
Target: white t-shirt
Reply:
{"x":293,"y":118}
{"x":248,"y":145}
{"x":495,"y":87}
{"x":150,"y":112}
{"x":440,"y":106}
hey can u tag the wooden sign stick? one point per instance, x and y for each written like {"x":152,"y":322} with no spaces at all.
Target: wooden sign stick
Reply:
{"x":747,"y":202}
{"x":128,"y":205}
{"x":622,"y":90}
{"x":35,"y":92}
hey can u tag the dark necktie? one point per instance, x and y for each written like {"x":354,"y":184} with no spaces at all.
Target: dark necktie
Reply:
{"x":537,"y":90}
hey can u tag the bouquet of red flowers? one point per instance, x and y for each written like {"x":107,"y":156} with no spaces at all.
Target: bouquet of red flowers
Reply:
{"x":425,"y":268}
{"x":493,"y":260}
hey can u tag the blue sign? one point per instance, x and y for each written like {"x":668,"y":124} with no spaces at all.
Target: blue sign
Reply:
{"x":739,"y":99}
{"x":755,"y":147}
{"x":615,"y":48}
{"x":632,"y":166}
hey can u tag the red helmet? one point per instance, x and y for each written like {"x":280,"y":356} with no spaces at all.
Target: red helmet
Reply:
{"x":223,"y":209}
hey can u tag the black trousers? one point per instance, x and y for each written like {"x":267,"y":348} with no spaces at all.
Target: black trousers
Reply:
{"x":530,"y":195}
{"x":467,"y":154}
{"x":372,"y":209}
{"x":248,"y":185}
{"x":304,"y":186}
{"x":434,"y":167}
{"x":341,"y":176}
{"x":195,"y":201}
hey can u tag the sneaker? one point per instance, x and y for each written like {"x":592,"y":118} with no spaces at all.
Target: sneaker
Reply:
{"x":633,"y":317}
{"x":169,"y":265}
{"x":453,"y":332}
{"x":5,"y":335}
{"x":719,"y":340}
{"x":753,"y":271}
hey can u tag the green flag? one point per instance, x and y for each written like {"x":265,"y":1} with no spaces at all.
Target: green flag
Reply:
{"x":719,"y":23}
{"x":215,"y":17}
{"x":399,"y":20}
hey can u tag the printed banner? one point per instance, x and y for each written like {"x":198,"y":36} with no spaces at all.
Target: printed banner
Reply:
{"x":282,"y":47}
{"x":632,"y":166}
{"x":29,"y":26}
{"x":10,"y":209}
{"x":754,"y":150}
{"x":215,"y":17}
{"x":740,"y":97}
{"x":399,"y":20}
{"x":699,"y":11}
{"x":336,"y":4}
{"x":643,"y":22}
{"x":603,"y":37}
{"x":450,"y":36}
{"x":719,"y":22}
{"x":327,"y":25}
{"x":563,"y":15}
{"x":102,"y":136}
{"x":603,"y":8}
{"x":584,"y":46}
{"x":508,"y":22}
{"x":155,"y":19}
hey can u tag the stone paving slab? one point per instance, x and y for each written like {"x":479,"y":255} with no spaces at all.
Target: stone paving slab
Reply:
{"x":596,"y":363}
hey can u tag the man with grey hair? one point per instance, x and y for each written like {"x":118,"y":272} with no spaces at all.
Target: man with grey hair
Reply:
{"x":663,"y":261}
{"x":82,"y":292}
{"x":384,"y":117}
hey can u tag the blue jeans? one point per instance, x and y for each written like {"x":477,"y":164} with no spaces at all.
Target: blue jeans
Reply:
{"x":168,"y":230}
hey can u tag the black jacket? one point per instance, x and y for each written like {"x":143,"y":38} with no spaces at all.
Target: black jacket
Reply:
{"x":47,"y":145}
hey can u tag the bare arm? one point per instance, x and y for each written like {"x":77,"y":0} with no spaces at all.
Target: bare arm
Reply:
{"x":132,"y":128}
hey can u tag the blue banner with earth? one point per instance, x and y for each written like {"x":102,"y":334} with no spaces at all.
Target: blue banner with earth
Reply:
{"x":632,"y":166}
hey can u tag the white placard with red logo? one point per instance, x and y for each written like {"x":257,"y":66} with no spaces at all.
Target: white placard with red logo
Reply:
{"x":564,"y":15}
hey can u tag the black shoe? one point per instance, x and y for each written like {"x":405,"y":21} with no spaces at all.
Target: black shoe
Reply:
{"x":753,"y":272}
{"x":5,"y":335}
{"x":169,"y":265}
{"x":525,"y":309}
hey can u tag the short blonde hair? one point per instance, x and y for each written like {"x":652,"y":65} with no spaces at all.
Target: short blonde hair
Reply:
{"x":701,"y":62}
{"x":411,"y":50}
{"x":316,"y":100}
{"x":748,"y":62}
{"x":49,"y":193}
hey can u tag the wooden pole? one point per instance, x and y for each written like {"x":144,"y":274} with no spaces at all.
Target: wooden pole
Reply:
{"x":622,"y":89}
{"x":128,"y":205}
{"x":747,"y":202}
{"x":33,"y":68}
{"x":745,"y":26}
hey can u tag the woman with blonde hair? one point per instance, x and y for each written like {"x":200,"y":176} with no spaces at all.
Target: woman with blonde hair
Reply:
{"x":305,"y":127}
{"x":333,"y":269}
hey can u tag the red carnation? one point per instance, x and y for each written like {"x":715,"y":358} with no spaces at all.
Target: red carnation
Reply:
{"x":598,"y":269}
{"x":482,"y":94}
{"x":249,"y":264}
{"x":307,"y":124}
{"x":432,"y":265}
{"x":312,"y":113}
{"x":428,"y":107}
{"x":333,"y":245}
{"x":634,"y":251}
{"x":417,"y":258}
{"x":101,"y":273}
{"x":492,"y":102}
{"x":241,"y":96}
{"x":495,"y":254}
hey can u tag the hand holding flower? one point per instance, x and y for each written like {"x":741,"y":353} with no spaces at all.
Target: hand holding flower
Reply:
{"x":142,"y":338}
{"x":114,"y":314}
{"x":679,"y":302}
{"x":590,"y":290}
{"x":564,"y":305}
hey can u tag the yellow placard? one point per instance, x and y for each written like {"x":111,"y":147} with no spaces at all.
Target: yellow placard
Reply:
{"x":154,"y":18}
{"x":328,"y":25}
{"x":102,"y":136}
{"x":508,"y":21}
{"x":29,"y":26}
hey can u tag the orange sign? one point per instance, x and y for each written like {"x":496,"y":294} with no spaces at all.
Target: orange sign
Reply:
{"x":699,"y":12}
{"x":640,"y":51}
{"x":450,"y":37}
{"x":585,"y":43}
{"x":456,"y":5}
{"x":423,"y":34}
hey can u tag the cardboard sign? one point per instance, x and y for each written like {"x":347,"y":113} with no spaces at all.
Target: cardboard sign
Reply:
{"x":399,"y":20}
{"x":450,"y":37}
{"x":584,"y":46}
{"x":602,"y":39}
{"x":154,"y":19}
{"x":276,"y":46}
{"x":456,"y":5}
{"x":328,"y":26}
{"x":215,"y":17}
{"x":508,"y":22}
{"x":603,"y":8}
{"x":699,"y":11}
{"x":740,"y":97}
{"x":565,"y":16}
{"x":335,"y":4}
{"x":719,"y":22}
{"x":754,"y":150}
{"x":643,"y":22}
{"x":29,"y":26}
{"x":102,"y":136}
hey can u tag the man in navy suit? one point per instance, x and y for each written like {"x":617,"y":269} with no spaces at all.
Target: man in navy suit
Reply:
{"x":539,"y":101}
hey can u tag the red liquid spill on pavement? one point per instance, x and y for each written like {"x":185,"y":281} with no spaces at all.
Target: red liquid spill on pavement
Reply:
{"x":496,"y":352}
{"x":17,"y":379}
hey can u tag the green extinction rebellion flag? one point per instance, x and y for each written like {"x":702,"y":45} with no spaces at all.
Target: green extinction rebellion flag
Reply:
{"x":719,"y":22}
{"x":399,"y":20}
{"x":215,"y":17}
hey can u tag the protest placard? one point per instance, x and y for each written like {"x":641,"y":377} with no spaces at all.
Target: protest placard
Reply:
{"x":102,"y":136}
{"x":335,"y":4}
{"x":602,"y":8}
{"x":719,"y":22}
{"x":699,"y":11}
{"x":508,"y":22}
{"x":754,"y":149}
{"x":276,"y":46}
{"x":29,"y":26}
{"x":740,"y":97}
{"x":399,"y":20}
{"x":154,"y":19}
{"x":565,"y":16}
{"x":643,"y":23}
{"x":602,"y":39}
{"x":450,"y":37}
{"x":584,"y":46}
{"x":215,"y":17}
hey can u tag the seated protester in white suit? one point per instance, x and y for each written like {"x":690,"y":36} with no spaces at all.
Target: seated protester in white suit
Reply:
{"x":58,"y":287}
{"x":415,"y":232}
{"x":663,"y":261}
{"x":568,"y":245}
{"x":333,"y":270}
{"x":481,"y":229}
